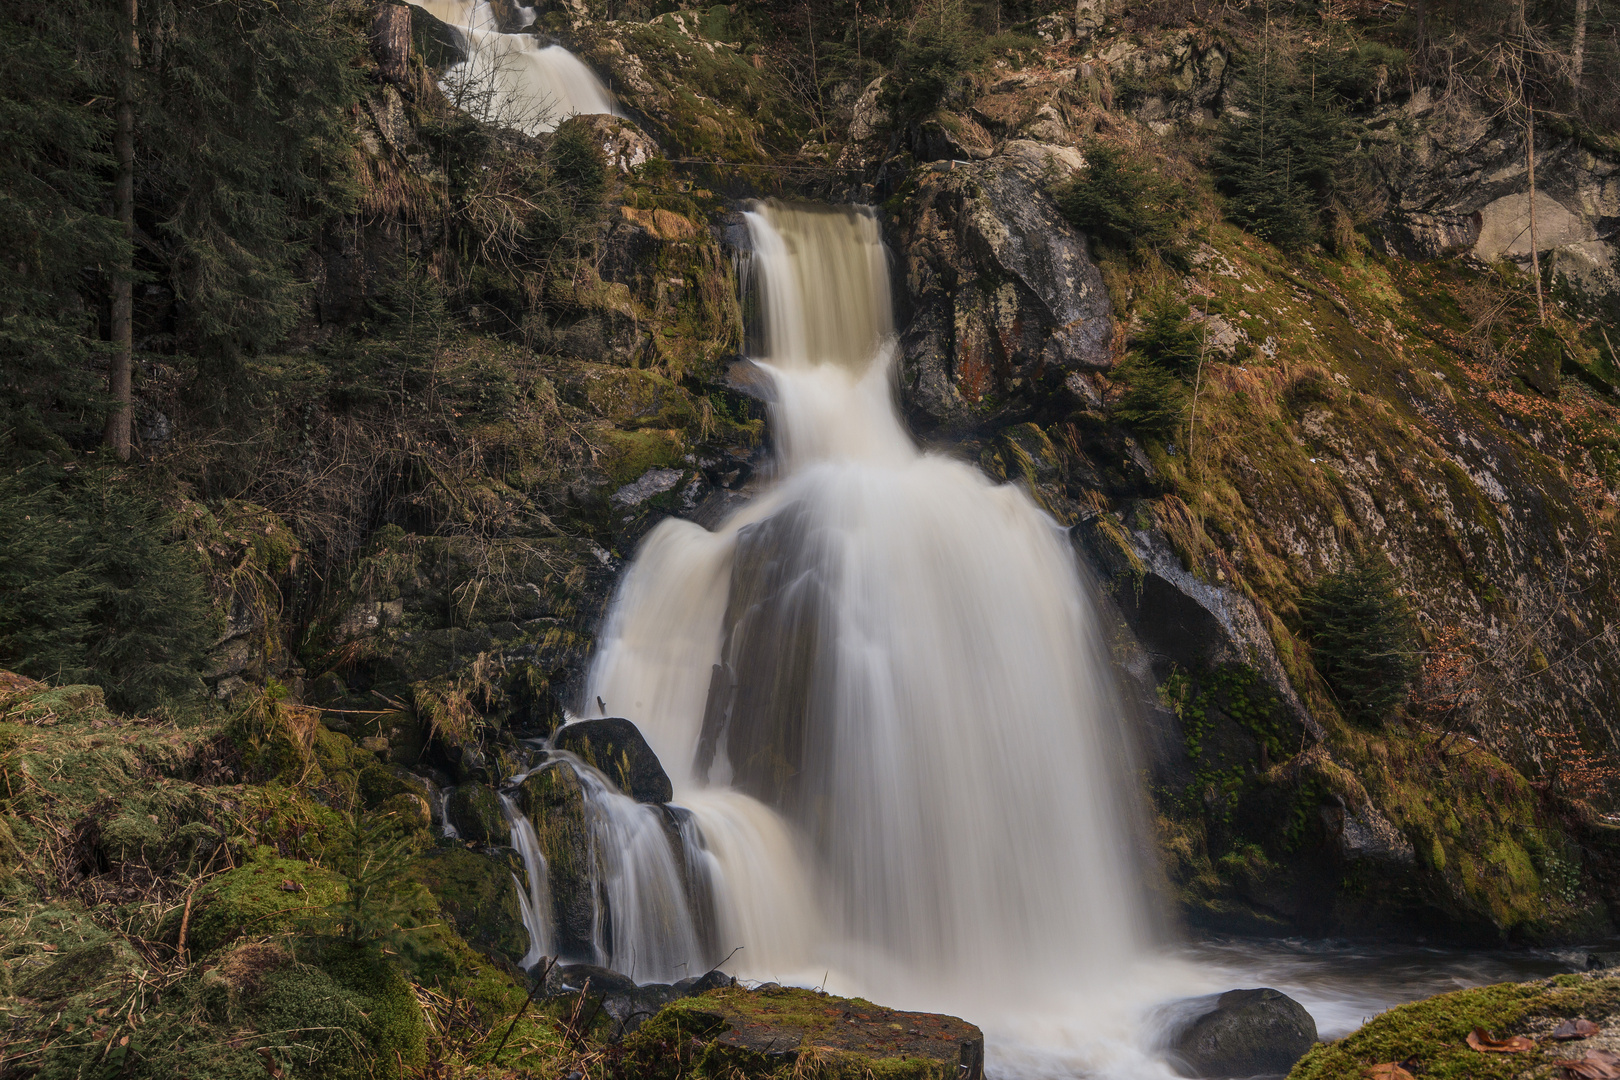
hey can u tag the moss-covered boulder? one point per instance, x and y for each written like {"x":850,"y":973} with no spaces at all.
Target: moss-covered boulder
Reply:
{"x":787,"y":1031}
{"x":555,"y":804}
{"x":475,"y":811}
{"x":266,"y":896}
{"x":616,"y":747}
{"x":1430,"y":1036}
{"x":476,"y":892}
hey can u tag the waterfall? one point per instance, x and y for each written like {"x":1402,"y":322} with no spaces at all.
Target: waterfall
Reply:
{"x":882,"y":693}
{"x":512,"y":79}
{"x":534,"y":901}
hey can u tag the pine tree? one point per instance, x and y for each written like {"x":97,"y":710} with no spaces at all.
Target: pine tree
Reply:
{"x":55,"y":238}
{"x":245,"y":151}
{"x":1124,"y":202}
{"x":95,"y":587}
{"x":1361,"y":638}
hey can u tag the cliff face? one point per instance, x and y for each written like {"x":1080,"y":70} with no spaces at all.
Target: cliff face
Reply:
{"x":1381,"y":398}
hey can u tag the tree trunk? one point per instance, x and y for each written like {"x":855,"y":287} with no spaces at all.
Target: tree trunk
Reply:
{"x":123,"y":301}
{"x":1577,"y":47}
{"x":1535,"y":246}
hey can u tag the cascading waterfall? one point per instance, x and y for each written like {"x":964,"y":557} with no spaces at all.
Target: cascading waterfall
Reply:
{"x":512,"y":79}
{"x":534,"y":900}
{"x":883,"y":696}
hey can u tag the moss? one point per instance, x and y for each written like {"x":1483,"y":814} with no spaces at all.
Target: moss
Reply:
{"x":393,"y":1019}
{"x":786,"y":1032}
{"x":476,"y":811}
{"x":476,"y":892}
{"x":1432,"y":1032}
{"x":631,"y":453}
{"x":254,"y":901}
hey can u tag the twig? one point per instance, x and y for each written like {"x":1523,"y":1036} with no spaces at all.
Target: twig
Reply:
{"x":533,"y":989}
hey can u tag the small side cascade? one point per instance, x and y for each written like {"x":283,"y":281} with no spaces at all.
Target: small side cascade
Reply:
{"x":644,"y":925}
{"x":534,"y":901}
{"x":447,"y":827}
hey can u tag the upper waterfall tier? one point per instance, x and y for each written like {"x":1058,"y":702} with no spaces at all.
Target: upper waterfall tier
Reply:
{"x":512,"y":79}
{"x":821,"y":280}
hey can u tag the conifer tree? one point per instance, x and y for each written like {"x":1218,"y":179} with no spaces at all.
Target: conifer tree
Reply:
{"x":56,"y":240}
{"x":1361,"y":637}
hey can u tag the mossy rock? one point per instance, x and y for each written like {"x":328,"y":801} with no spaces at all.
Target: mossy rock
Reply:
{"x":475,"y":810}
{"x":632,"y":453}
{"x":629,"y":397}
{"x":476,"y":892}
{"x":393,"y":1019}
{"x":79,"y":702}
{"x":786,"y":1031}
{"x":1432,"y":1033}
{"x":74,"y":972}
{"x":266,"y":896}
{"x":555,"y":804}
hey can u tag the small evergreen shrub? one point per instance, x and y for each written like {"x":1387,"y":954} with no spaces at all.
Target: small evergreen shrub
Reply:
{"x":940,"y":49}
{"x":1157,"y":370}
{"x":1125,"y":202}
{"x":1362,"y":639}
{"x":1279,"y":166}
{"x":95,"y":588}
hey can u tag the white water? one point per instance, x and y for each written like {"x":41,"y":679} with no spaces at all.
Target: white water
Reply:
{"x":534,"y":901}
{"x":883,"y":695}
{"x":511,"y":79}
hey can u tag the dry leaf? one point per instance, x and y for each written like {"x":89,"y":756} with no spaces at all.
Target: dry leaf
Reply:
{"x":1574,"y":1029}
{"x":1389,"y":1070}
{"x":1596,"y":1065}
{"x":289,"y":885}
{"x":1484,"y":1041}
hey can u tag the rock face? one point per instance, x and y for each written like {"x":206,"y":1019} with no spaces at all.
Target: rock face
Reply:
{"x":1002,"y":296}
{"x":616,"y":747}
{"x":1248,"y":1033}
{"x":1464,"y":188}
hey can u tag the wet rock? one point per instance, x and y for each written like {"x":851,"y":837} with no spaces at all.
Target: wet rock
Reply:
{"x":554,"y":803}
{"x":1247,"y":1033}
{"x":616,"y":747}
{"x":475,"y":810}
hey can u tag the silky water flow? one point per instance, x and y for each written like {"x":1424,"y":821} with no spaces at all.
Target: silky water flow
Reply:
{"x":883,"y":695}
{"x":513,"y":79}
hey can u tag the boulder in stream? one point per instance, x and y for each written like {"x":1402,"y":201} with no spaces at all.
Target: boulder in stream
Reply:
{"x":1247,"y":1033}
{"x":752,"y":1033}
{"x":616,"y":747}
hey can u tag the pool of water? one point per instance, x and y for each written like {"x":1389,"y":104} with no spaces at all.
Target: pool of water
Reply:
{"x":1343,"y":984}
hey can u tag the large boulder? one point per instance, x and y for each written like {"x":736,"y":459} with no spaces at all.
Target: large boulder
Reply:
{"x":615,"y":746}
{"x":774,"y":1029}
{"x":1247,"y":1033}
{"x":475,"y":811}
{"x":1002,"y":296}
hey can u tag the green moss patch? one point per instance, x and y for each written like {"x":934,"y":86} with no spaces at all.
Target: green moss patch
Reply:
{"x":1431,"y":1033}
{"x":785,"y":1031}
